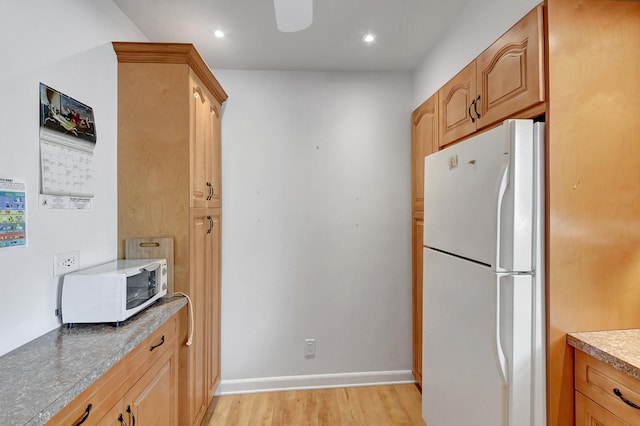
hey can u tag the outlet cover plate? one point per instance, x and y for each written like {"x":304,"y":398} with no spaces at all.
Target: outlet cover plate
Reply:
{"x":66,"y":262}
{"x":309,"y":348}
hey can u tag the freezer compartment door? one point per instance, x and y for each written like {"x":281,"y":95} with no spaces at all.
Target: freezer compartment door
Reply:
{"x":463,"y":369}
{"x":479,"y":197}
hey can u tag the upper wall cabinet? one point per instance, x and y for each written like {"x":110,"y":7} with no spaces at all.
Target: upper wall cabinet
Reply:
{"x":503,"y":81}
{"x":457,"y":98}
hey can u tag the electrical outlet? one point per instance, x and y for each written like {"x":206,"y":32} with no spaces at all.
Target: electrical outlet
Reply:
{"x":66,"y":262}
{"x":309,"y":348}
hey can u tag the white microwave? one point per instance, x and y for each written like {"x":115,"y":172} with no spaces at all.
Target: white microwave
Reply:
{"x":112,"y":292}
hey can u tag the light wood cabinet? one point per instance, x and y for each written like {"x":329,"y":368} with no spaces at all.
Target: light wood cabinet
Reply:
{"x":152,"y":400}
{"x":417,"y":255}
{"x":169,"y":127}
{"x":204,"y":354}
{"x":604,"y":395}
{"x":144,"y":385}
{"x":593,"y":98}
{"x":457,"y":98}
{"x":506,"y":79}
{"x":588,"y":413}
{"x":205,"y":150}
{"x":213,"y":297}
{"x":424,"y":141}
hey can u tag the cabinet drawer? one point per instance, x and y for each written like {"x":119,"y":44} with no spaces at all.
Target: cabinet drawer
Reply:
{"x":147,"y":352}
{"x":598,"y":382}
{"x":588,"y":413}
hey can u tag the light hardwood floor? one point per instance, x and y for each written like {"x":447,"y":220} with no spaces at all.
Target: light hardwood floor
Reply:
{"x":366,"y":406}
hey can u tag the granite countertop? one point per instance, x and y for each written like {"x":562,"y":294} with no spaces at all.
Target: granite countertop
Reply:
{"x":618,"y":348}
{"x":41,"y":377}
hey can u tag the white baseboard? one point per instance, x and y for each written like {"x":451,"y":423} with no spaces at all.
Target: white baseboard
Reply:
{"x":314,"y":381}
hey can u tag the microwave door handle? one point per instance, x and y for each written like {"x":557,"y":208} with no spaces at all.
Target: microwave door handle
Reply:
{"x":151,"y":268}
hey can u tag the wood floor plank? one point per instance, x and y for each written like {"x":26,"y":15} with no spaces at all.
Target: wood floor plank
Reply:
{"x":354,"y":406}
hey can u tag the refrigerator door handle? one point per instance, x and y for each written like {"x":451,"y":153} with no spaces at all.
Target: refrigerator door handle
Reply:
{"x":502,"y":359}
{"x":504,"y":181}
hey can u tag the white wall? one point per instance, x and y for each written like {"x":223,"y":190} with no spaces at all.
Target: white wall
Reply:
{"x":475,"y":29}
{"x":316,"y":224}
{"x":65,"y":44}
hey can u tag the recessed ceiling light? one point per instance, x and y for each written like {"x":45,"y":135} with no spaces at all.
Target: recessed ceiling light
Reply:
{"x":218,"y":33}
{"x":369,"y":38}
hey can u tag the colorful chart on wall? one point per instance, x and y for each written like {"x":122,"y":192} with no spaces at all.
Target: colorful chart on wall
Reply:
{"x":67,"y":144}
{"x":13,"y":213}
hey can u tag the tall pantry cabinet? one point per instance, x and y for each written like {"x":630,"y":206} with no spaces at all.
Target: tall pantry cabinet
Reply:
{"x":169,"y":134}
{"x":424,"y":141}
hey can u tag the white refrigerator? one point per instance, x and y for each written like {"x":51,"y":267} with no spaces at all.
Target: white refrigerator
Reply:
{"x":483,"y":285}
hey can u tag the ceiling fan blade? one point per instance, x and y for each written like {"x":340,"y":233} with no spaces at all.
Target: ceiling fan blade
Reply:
{"x":293,"y":15}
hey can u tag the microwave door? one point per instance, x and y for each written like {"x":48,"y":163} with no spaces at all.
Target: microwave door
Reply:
{"x":141,"y":288}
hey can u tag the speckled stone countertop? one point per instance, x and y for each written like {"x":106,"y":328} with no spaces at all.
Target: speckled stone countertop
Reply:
{"x":39,"y":378}
{"x":618,"y":348}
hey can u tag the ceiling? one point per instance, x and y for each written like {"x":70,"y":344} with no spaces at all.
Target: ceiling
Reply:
{"x":405,"y":31}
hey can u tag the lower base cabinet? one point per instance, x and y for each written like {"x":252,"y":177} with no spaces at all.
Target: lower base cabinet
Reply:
{"x":152,"y":400}
{"x":141,"y":389}
{"x":604,"y":395}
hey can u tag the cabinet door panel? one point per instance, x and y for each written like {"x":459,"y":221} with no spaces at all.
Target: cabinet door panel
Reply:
{"x":417,"y":257}
{"x":153,"y":399}
{"x":213,"y":304}
{"x":199,"y":154}
{"x":214,"y":154}
{"x":424,"y":139}
{"x":111,"y":418}
{"x":201,"y":229}
{"x":510,"y":73}
{"x":588,"y":413}
{"x":455,"y":99}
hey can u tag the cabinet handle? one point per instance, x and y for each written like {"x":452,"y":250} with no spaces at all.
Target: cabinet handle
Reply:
{"x":86,"y":415}
{"x":158,"y":345}
{"x":473,"y":120}
{"x":121,"y":420}
{"x":210,"y":225}
{"x":475,"y":106}
{"x":133,"y":418}
{"x":210,"y":196}
{"x":625,"y":400}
